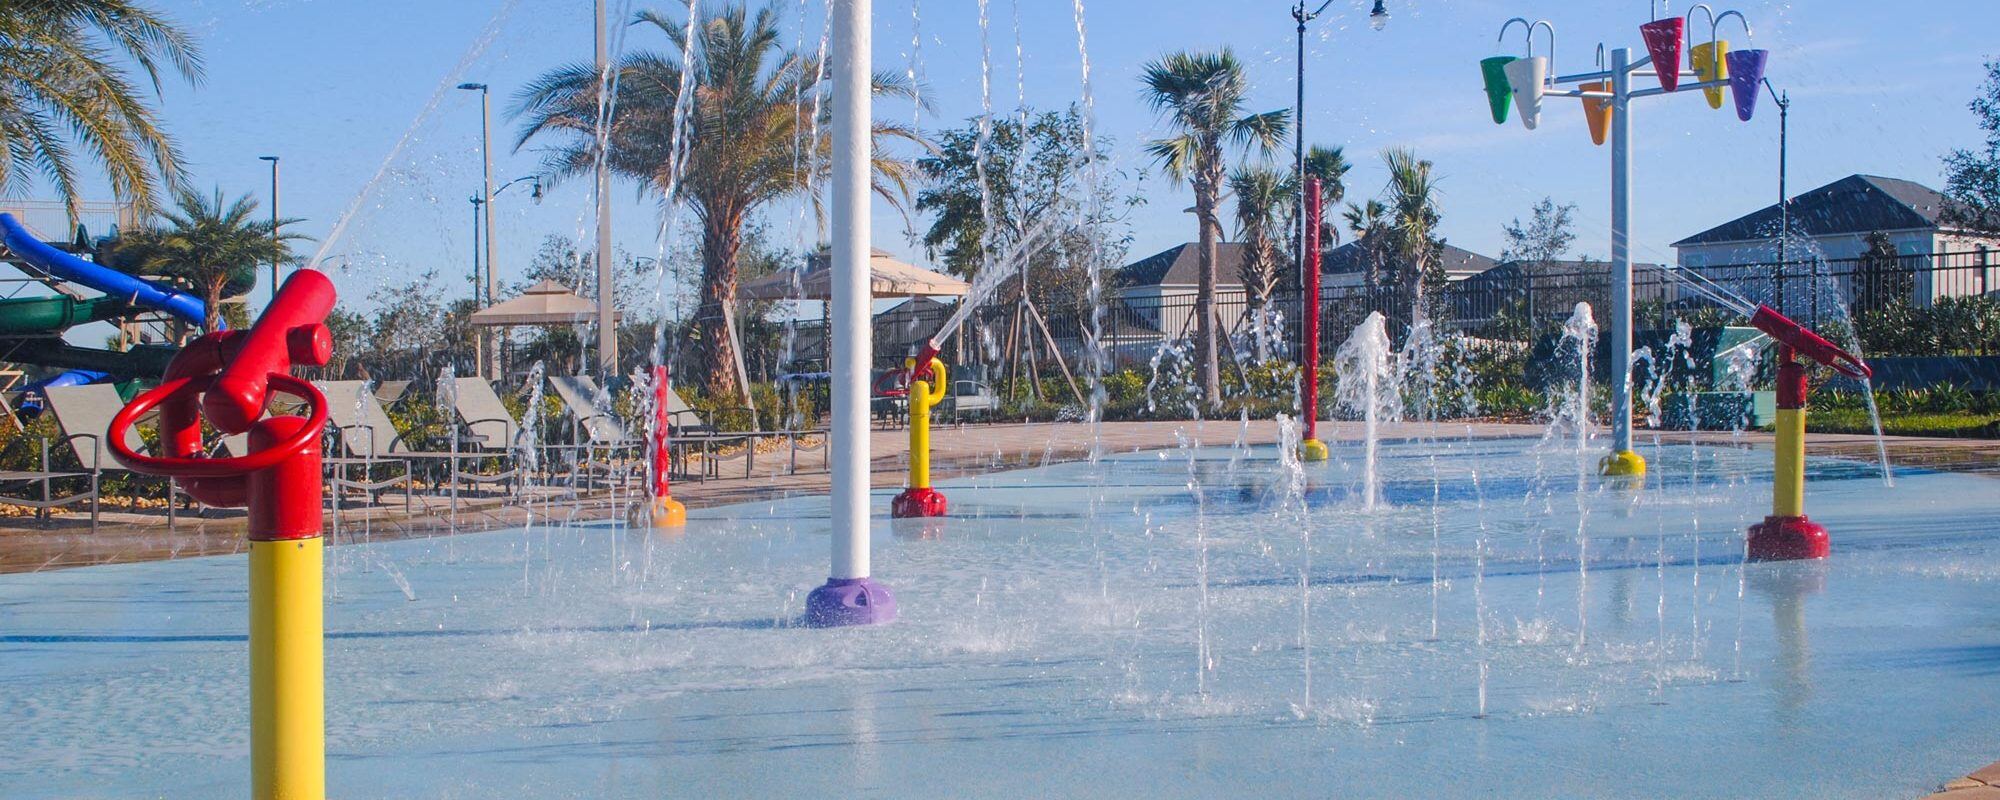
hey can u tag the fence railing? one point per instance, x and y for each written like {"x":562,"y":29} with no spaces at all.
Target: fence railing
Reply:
{"x":1515,"y":302}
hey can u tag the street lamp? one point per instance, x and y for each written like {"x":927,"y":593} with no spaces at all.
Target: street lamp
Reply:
{"x":274,"y":221}
{"x":1784,"y":103}
{"x":1377,"y":19}
{"x":485,"y":203}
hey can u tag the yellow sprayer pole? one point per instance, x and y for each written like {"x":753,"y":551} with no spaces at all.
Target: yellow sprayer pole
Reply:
{"x":1788,"y":491}
{"x":919,"y":499}
{"x":287,"y":623}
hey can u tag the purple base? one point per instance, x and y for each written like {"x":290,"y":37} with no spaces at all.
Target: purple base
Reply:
{"x":849,"y":601}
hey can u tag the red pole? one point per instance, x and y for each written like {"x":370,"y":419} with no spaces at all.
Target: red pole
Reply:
{"x":660,"y":420}
{"x":1309,"y":349}
{"x":664,"y":511}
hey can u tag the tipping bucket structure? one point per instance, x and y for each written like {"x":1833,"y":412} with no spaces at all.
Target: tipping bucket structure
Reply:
{"x":1597,"y":111}
{"x":1499,"y":96}
{"x":1528,"y":77}
{"x":1709,"y":64}
{"x":1663,"y":43}
{"x":1746,"y":76}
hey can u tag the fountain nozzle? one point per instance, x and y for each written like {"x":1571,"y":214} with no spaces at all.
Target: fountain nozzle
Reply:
{"x":1809,"y":344}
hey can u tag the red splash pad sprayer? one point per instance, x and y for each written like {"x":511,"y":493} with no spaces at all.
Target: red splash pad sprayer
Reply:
{"x":227,"y":378}
{"x":1787,"y":534}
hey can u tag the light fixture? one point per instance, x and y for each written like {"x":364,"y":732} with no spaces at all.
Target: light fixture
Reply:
{"x":480,"y":87}
{"x":535,"y":190}
{"x":1379,"y":17}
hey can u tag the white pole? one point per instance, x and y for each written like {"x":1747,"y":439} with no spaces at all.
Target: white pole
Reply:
{"x":1621,"y":251}
{"x":853,"y":347}
{"x":607,"y":323}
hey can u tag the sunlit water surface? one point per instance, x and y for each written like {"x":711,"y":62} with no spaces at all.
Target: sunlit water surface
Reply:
{"x":1049,"y":644}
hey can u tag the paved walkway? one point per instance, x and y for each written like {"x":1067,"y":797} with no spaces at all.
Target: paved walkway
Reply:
{"x":1981,"y":785}
{"x":126,"y":536}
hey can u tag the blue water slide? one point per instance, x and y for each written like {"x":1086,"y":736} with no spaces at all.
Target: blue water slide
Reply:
{"x":32,"y":396}
{"x":139,"y":292}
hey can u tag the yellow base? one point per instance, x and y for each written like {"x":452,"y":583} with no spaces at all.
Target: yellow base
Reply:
{"x":1312,"y":450}
{"x":666,"y":512}
{"x":1622,"y":464}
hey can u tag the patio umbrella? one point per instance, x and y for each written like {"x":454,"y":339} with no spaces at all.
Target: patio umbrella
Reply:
{"x":887,"y":277}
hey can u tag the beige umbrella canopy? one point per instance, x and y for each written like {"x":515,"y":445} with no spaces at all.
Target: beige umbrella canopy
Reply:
{"x":887,"y":277}
{"x":545,"y":303}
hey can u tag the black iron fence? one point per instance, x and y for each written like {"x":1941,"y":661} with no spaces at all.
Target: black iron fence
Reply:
{"x":1514,"y":302}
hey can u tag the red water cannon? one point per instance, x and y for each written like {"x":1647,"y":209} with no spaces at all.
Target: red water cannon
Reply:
{"x":1808,"y":344}
{"x":226,"y":378}
{"x":1787,"y":533}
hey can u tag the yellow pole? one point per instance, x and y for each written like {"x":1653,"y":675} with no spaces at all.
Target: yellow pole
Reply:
{"x":1788,"y":491}
{"x":922,"y":397}
{"x":287,"y":670}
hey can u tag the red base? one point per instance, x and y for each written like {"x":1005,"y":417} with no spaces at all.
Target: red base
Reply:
{"x":1788,"y":539}
{"x":917,"y":502}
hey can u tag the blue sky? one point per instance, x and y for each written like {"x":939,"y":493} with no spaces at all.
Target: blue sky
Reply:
{"x":332,"y":86}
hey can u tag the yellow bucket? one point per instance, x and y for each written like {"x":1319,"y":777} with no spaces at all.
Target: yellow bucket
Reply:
{"x":1709,"y":65}
{"x":1597,"y":112}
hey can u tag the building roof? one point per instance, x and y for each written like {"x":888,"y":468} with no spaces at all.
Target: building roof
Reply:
{"x":545,"y":303}
{"x":1854,"y":204}
{"x":1458,"y":262}
{"x":1180,"y":265}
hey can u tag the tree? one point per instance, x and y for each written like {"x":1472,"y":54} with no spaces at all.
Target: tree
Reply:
{"x":1264,"y":199}
{"x":60,"y":92}
{"x":1972,"y":177}
{"x":1544,"y":238}
{"x":1368,"y":221}
{"x":751,"y":138}
{"x":1035,"y":175}
{"x":1882,"y":279}
{"x":217,"y":248}
{"x":1413,"y":220}
{"x":1329,"y":165}
{"x":1201,"y":96}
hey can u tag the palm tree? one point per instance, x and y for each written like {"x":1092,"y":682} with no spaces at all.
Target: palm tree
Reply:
{"x":1264,"y":199}
{"x":1368,"y":221}
{"x":750,"y":139}
{"x":61,"y":93}
{"x":1329,"y":165}
{"x":215,"y":247}
{"x":1413,"y":219}
{"x":1201,"y":95}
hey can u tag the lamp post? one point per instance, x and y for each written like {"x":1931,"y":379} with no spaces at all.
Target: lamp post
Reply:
{"x":1309,"y":305}
{"x":274,"y":221}
{"x":486,"y":358}
{"x":607,"y":326}
{"x":1784,"y":103}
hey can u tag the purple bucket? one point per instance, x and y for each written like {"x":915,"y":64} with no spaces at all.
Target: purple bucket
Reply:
{"x":1746,"y":78}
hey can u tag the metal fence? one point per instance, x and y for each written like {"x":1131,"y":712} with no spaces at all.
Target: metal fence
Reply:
{"x":1514,"y":302}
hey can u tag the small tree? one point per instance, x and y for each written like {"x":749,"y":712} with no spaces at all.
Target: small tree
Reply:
{"x":1544,"y":238}
{"x":1884,"y":281}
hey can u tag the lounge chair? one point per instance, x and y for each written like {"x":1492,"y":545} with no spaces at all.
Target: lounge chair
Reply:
{"x":601,"y":440}
{"x":971,"y":396}
{"x":84,"y":414}
{"x":488,"y":423}
{"x":370,"y":437}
